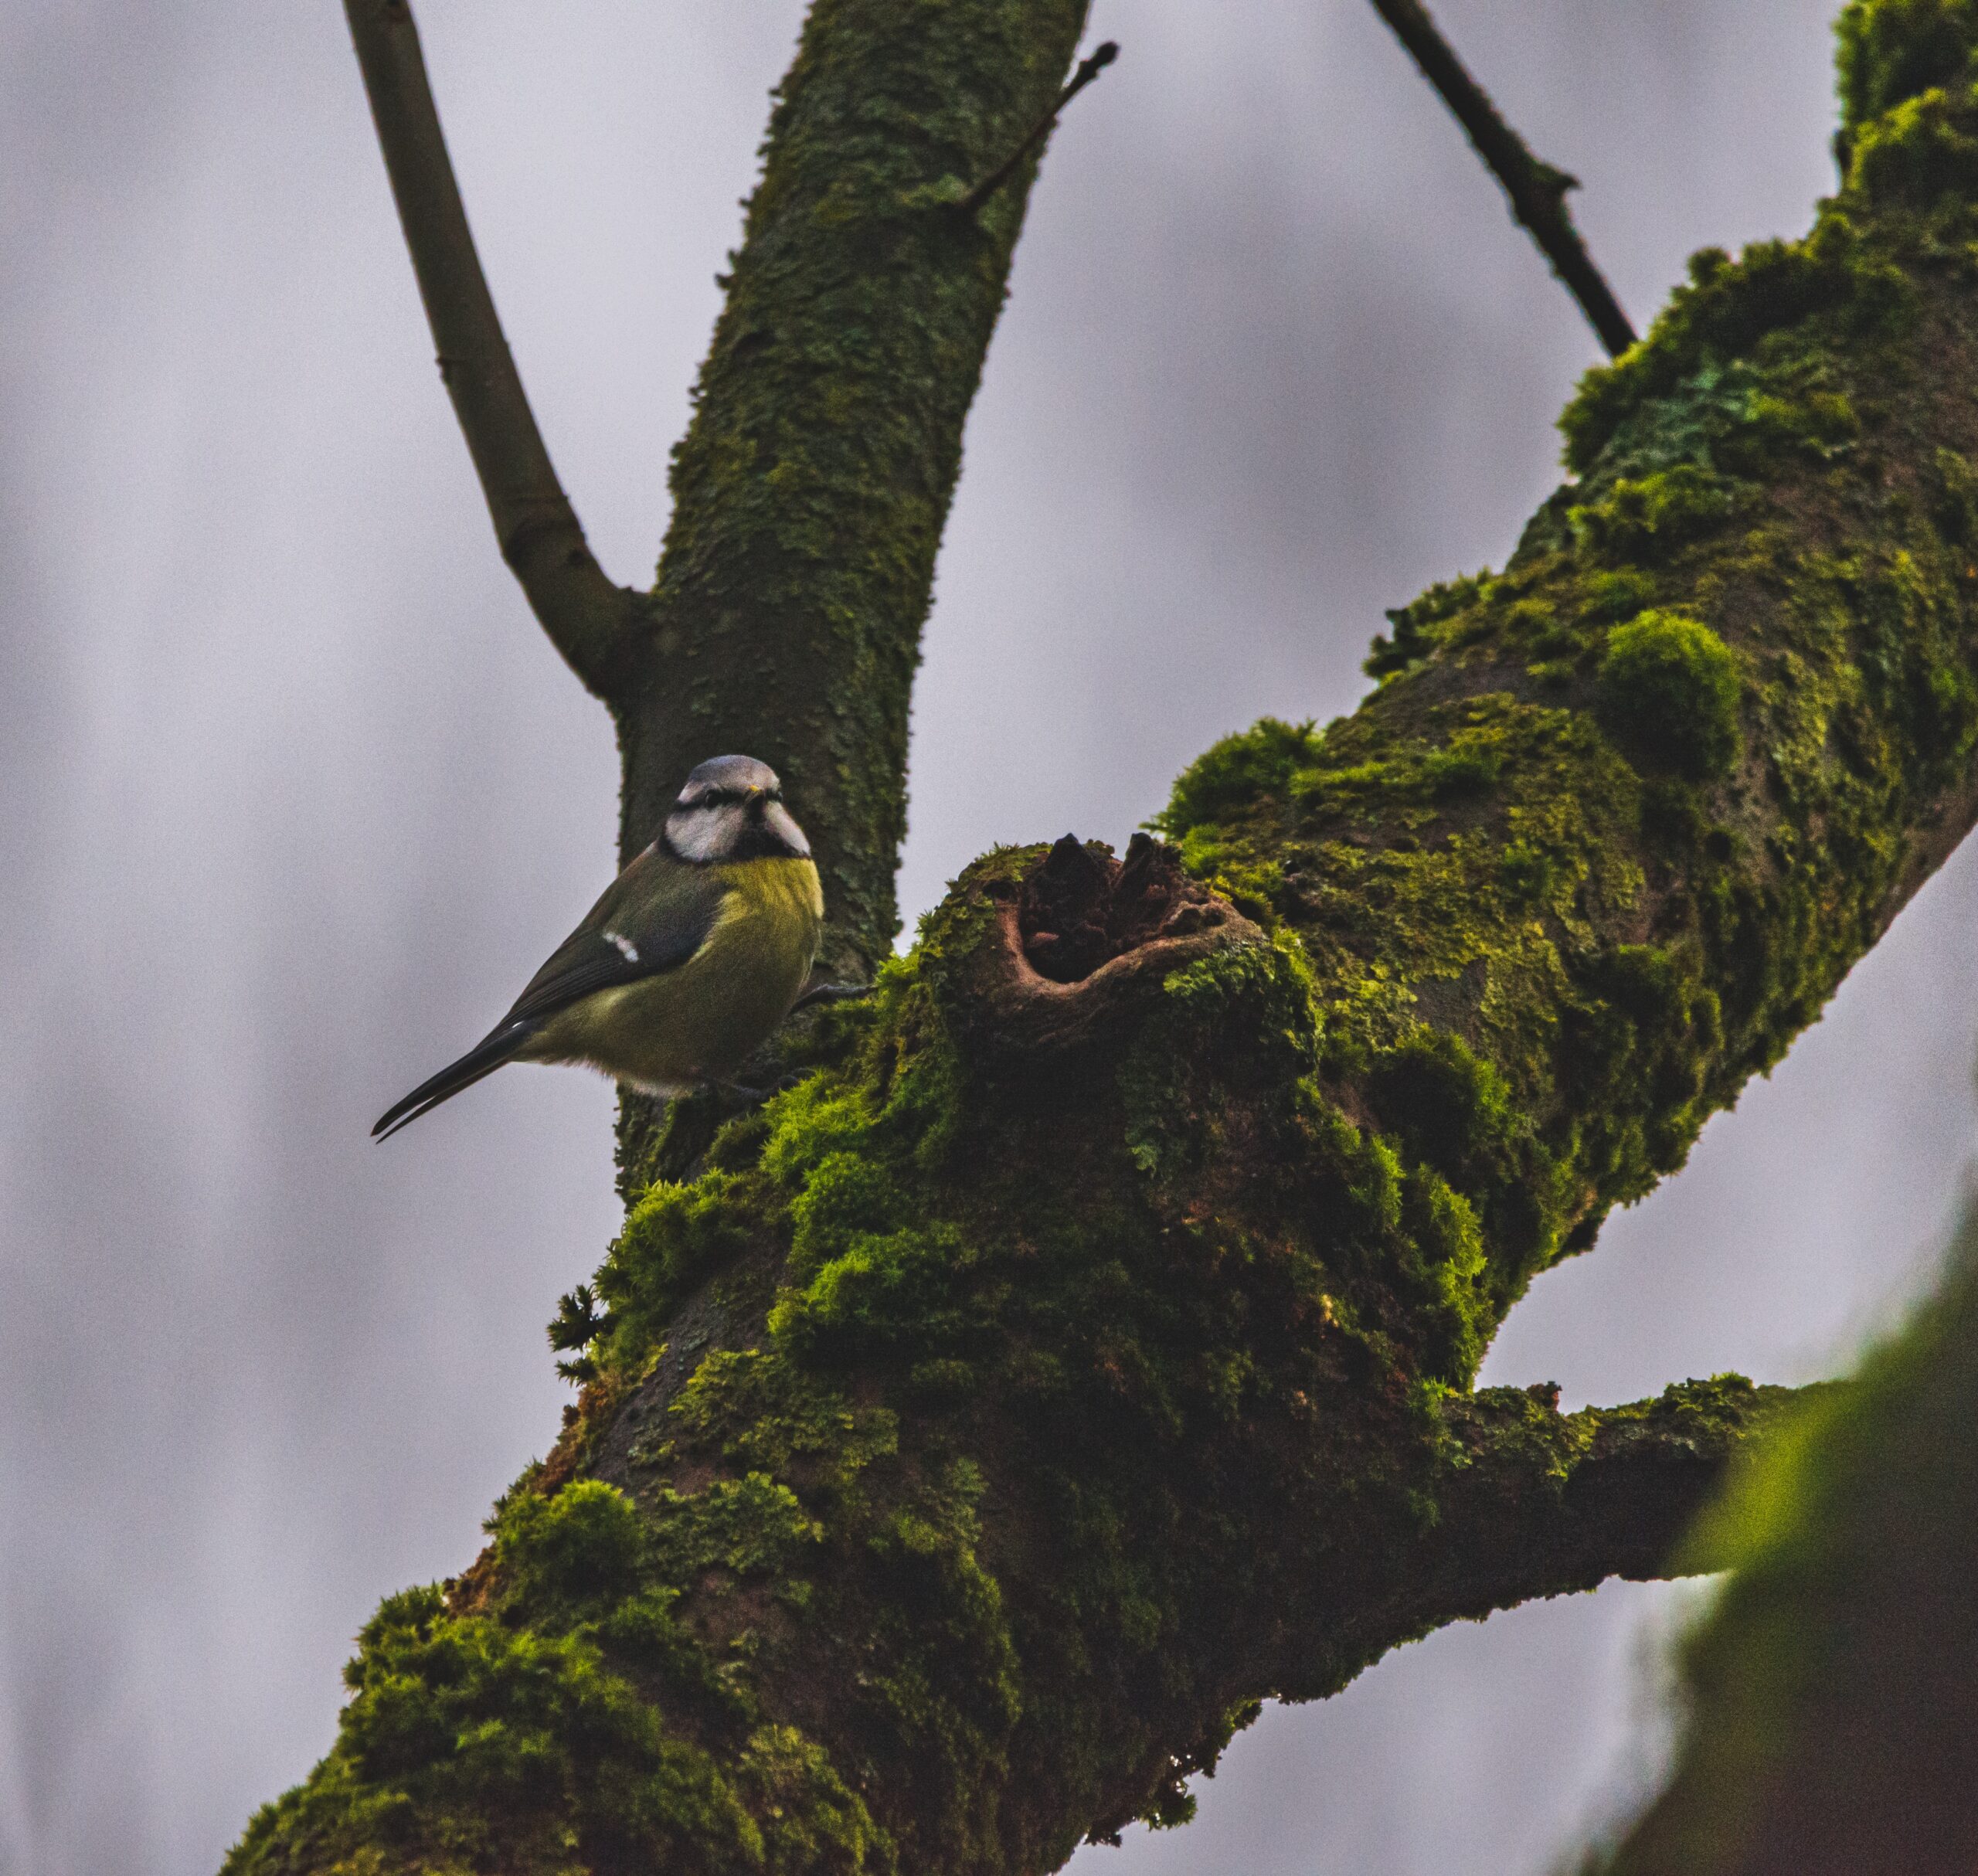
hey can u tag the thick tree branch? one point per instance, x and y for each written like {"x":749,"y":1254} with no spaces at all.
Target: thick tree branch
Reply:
{"x":1522,"y":1502}
{"x":1543,"y":1503}
{"x":1537,"y":192}
{"x":810,"y":490}
{"x":593,"y":622}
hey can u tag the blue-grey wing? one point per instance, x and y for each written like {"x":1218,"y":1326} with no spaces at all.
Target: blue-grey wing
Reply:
{"x":652,"y":918}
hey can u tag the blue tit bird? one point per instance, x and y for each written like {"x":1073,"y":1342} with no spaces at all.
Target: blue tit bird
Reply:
{"x":696,"y":952}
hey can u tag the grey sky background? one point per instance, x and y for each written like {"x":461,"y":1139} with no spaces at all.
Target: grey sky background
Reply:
{"x":296,"y":795}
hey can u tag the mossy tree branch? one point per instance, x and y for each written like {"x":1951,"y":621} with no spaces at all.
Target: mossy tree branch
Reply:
{"x":1536,"y":191}
{"x":593,"y":622}
{"x":810,"y":490}
{"x":1542,"y":1504}
{"x":1525,"y":1502}
{"x":1083,"y":1352}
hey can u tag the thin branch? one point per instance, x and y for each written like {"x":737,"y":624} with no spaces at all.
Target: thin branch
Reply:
{"x":589,"y":619}
{"x":1089,"y":68}
{"x":1538,"y":190}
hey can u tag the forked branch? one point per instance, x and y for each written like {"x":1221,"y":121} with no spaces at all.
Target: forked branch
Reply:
{"x":1537,"y":192}
{"x":591,"y":621}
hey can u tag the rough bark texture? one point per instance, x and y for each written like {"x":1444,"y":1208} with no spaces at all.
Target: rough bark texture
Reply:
{"x":1082,"y":1352}
{"x":810,"y":490}
{"x":1833,"y":1692}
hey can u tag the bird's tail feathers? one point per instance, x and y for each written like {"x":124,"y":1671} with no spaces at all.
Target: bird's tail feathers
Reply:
{"x":483,"y":1059}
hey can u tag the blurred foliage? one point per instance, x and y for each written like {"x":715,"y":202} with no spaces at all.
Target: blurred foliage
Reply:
{"x":1833,"y":1690}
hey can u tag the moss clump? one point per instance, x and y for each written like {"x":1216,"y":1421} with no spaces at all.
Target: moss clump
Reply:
{"x":1669,"y":695}
{"x":1413,"y":626}
{"x":1923,"y":149}
{"x":552,"y":1729}
{"x":1647,"y":519}
{"x":1260,"y":760}
{"x":1890,"y":51}
{"x":1730,"y":312}
{"x":674,"y":1235}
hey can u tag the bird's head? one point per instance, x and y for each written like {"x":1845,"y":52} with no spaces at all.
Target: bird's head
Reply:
{"x":731,"y":809}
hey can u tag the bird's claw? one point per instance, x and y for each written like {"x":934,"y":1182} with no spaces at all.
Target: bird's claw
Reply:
{"x":831,"y":993}
{"x":731,"y":1097}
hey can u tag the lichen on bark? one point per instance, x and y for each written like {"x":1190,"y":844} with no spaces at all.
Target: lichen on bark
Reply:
{"x":1082,"y":1351}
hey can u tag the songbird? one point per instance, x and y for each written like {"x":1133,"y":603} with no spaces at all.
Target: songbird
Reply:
{"x":696,"y":952}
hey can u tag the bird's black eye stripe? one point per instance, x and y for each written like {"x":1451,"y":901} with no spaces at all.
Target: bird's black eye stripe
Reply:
{"x":727,"y":797}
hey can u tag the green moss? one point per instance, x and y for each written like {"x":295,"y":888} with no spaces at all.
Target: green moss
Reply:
{"x":1258,"y":761}
{"x":579,"y":1549}
{"x":1612,"y":597}
{"x":1890,"y":51}
{"x":1669,"y":691}
{"x":673,"y":1237}
{"x":1414,"y":633}
{"x":1732,"y":312}
{"x":1921,"y":150}
{"x":1649,"y":519}
{"x":467,"y":1744}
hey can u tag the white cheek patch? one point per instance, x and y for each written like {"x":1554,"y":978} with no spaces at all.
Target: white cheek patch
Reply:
{"x":702,"y":834}
{"x":627,"y":949}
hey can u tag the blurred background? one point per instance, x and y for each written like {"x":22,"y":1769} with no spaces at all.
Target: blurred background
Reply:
{"x":294,"y":793}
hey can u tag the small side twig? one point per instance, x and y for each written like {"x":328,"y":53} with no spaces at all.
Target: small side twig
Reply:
{"x":1089,"y":69}
{"x":1538,"y":190}
{"x":588,"y":619}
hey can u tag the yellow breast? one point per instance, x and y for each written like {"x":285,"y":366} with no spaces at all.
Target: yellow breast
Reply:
{"x":700,"y":1022}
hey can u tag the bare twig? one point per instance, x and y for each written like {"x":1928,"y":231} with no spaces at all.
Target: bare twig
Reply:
{"x":1538,"y":190}
{"x":1089,"y":68}
{"x":589,"y":619}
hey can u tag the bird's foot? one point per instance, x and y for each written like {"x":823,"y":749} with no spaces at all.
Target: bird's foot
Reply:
{"x":731,"y":1097}
{"x":831,"y":993}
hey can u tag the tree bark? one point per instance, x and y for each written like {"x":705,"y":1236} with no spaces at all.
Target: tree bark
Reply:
{"x":1083,"y":1352}
{"x":810,"y":490}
